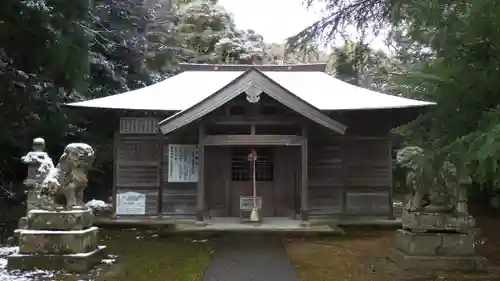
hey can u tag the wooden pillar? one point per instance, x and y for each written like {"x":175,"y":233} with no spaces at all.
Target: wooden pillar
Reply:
{"x":389,"y":177}
{"x":200,"y":194}
{"x":304,"y":182}
{"x":344,"y":146}
{"x":116,"y":142}
{"x":161,"y":183}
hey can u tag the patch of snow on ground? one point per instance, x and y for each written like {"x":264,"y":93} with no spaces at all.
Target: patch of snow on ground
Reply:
{"x":5,"y":251}
{"x":17,"y":275}
{"x":96,"y":204}
{"x":200,"y":241}
{"x":108,"y":261}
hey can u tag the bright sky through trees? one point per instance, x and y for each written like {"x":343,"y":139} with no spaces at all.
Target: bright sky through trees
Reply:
{"x":277,"y":20}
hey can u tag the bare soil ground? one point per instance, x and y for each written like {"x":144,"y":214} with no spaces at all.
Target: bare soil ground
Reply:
{"x":363,"y":255}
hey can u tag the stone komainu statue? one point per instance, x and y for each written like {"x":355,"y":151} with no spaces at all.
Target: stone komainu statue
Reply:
{"x":436,"y":193}
{"x":65,"y":183}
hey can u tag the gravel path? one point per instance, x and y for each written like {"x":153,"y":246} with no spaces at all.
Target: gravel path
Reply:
{"x":245,"y":257}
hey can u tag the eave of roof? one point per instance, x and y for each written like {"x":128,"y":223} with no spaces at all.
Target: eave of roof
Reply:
{"x":188,"y":88}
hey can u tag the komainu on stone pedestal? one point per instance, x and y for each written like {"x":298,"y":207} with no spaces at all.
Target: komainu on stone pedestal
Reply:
{"x":433,"y":242}
{"x":437,"y":235}
{"x":59,"y":233}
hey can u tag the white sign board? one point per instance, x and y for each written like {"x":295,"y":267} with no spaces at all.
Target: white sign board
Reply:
{"x":248,"y":202}
{"x":182,"y":163}
{"x":130,"y":203}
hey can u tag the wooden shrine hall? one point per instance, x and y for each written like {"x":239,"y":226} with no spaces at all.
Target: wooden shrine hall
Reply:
{"x":322,"y":146}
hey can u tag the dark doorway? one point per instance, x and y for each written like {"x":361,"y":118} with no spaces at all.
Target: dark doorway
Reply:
{"x":241,"y":178}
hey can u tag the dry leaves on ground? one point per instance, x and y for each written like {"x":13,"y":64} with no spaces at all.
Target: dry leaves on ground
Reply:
{"x":364,"y":256}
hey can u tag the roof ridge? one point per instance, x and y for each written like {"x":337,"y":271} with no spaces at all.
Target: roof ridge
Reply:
{"x":318,"y":67}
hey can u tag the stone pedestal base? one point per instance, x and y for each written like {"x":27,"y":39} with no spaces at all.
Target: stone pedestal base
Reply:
{"x":81,"y":262}
{"x":431,"y":264}
{"x":422,"y":221}
{"x":57,"y":240}
{"x":60,"y":220}
{"x":305,"y":224}
{"x":435,"y":244}
{"x":428,"y":251}
{"x":200,"y":223}
{"x":31,"y":200}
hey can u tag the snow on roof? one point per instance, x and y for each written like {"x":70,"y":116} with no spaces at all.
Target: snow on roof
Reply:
{"x":188,"y":88}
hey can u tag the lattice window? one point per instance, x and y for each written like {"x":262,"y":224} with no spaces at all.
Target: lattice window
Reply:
{"x":241,"y":168}
{"x":138,"y":125}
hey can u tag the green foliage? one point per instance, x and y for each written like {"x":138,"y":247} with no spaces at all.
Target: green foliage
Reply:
{"x":43,"y":60}
{"x":358,"y":64}
{"x":280,"y":54}
{"x":427,"y":173}
{"x":462,"y":79}
{"x":208,"y":35}
{"x":449,"y":52}
{"x":244,"y":47}
{"x":56,"y":51}
{"x":367,"y":16}
{"x":133,"y":45}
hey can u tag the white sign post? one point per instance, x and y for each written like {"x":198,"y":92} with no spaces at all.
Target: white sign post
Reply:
{"x":130,"y":203}
{"x":182,"y":163}
{"x":254,"y":215}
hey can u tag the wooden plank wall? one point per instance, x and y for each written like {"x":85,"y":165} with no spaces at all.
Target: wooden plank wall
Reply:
{"x":137,"y":160}
{"x":178,"y":199}
{"x":286,"y":180}
{"x":368,"y":175}
{"x":141,"y":165}
{"x":324,"y":172}
{"x":348,"y":174}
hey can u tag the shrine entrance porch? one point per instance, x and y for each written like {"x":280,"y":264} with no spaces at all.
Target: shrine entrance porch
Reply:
{"x":229,"y":184}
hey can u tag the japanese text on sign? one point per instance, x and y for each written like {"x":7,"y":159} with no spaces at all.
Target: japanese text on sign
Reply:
{"x":182,"y":163}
